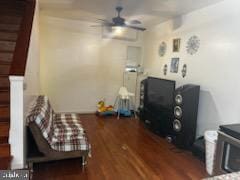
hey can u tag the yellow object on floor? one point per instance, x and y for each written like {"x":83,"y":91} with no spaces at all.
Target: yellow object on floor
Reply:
{"x":102,"y":108}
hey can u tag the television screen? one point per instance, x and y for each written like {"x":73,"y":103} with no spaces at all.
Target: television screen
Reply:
{"x":160,"y":93}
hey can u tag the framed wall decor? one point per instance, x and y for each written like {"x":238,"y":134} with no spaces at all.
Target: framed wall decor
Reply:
{"x":174,"y":65}
{"x":162,"y":49}
{"x":176,"y":45}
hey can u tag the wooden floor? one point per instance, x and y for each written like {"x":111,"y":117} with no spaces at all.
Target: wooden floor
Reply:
{"x":124,"y":150}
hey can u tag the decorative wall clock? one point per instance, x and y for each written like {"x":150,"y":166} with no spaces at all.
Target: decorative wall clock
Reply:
{"x":162,"y":49}
{"x":193,"y":45}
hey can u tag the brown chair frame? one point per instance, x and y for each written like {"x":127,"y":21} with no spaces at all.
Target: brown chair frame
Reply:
{"x":38,"y":149}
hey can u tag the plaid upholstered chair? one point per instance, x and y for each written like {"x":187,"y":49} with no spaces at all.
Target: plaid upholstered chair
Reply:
{"x":53,"y":136}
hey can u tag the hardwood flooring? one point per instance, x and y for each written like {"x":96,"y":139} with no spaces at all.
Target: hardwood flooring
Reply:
{"x":124,"y":150}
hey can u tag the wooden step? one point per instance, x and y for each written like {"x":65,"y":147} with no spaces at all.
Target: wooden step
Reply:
{"x":6,"y":57}
{"x":4,"y":129}
{"x":8,"y":36}
{"x":4,"y":113}
{"x":5,"y":163}
{"x":11,"y":11}
{"x":4,"y":150}
{"x":5,"y":63}
{"x":7,"y":46}
{"x":4,"y":96}
{"x":3,"y":139}
{"x":3,"y":89}
{"x":5,"y":119}
{"x":4,"y":81}
{"x":8,"y":19}
{"x":9,"y":27}
{"x":4,"y":69}
{"x":16,"y":4}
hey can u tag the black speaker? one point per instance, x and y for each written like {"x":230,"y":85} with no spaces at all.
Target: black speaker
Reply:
{"x":185,"y":115}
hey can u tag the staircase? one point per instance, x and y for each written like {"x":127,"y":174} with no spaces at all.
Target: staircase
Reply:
{"x":12,"y":13}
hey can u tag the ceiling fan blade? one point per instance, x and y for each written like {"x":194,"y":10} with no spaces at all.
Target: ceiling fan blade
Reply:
{"x":103,"y":24}
{"x":134,"y":22}
{"x":103,"y":20}
{"x":100,"y":25}
{"x":109,"y":24}
{"x":119,"y":21}
{"x":136,"y":28}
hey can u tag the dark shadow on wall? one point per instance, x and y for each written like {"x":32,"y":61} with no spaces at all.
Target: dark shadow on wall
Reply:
{"x":177,"y":22}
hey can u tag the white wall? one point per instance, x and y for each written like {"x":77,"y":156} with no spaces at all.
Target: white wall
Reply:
{"x":78,"y":67}
{"x":216,"y":65}
{"x":32,"y":73}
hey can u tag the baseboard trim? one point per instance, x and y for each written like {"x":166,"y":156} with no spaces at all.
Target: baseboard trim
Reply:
{"x":80,"y":112}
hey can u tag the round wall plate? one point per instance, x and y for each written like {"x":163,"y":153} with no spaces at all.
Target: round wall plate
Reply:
{"x":193,"y":45}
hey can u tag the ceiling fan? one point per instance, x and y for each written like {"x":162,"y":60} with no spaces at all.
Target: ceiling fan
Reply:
{"x":121,"y":22}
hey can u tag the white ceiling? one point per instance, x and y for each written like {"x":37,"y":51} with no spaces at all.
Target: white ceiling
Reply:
{"x":150,"y":12}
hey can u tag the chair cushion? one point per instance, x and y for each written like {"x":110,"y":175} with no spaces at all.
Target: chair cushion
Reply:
{"x":63,"y":132}
{"x":69,"y":134}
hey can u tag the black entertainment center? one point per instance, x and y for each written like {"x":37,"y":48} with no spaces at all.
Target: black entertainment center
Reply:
{"x":170,"y":112}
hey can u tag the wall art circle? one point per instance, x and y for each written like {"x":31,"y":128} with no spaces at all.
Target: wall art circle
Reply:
{"x":193,"y":45}
{"x":162,"y":49}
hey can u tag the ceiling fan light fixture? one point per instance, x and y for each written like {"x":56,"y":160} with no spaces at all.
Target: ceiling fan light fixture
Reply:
{"x":119,"y":33}
{"x":118,"y":30}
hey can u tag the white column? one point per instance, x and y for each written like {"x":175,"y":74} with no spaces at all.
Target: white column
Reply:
{"x":17,"y":122}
